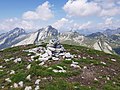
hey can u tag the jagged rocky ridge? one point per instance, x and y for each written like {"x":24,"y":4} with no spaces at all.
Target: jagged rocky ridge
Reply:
{"x":72,"y":37}
{"x":102,"y":45}
{"x":18,"y":37}
{"x":12,"y":37}
{"x":44,"y":34}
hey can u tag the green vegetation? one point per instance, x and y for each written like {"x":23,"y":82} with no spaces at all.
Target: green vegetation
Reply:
{"x":90,"y":68}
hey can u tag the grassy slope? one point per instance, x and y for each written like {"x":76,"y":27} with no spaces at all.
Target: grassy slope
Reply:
{"x":72,"y":79}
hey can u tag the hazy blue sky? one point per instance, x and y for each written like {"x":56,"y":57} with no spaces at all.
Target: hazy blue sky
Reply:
{"x":15,"y":8}
{"x":61,"y":14}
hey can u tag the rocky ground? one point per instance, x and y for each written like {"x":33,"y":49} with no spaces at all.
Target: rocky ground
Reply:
{"x":77,"y":68}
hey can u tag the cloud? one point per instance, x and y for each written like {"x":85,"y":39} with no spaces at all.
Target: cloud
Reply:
{"x":12,"y":23}
{"x":118,"y":2}
{"x":86,"y":25}
{"x":109,"y":21}
{"x":82,"y":8}
{"x":42,"y":12}
{"x":60,"y":23}
{"x":65,"y":24}
{"x":110,"y":12}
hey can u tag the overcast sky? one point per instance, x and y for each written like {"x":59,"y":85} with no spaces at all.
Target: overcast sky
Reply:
{"x":61,"y":14}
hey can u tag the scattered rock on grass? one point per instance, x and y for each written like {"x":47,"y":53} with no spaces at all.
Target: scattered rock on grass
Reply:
{"x":28,"y":77}
{"x":8,"y":80}
{"x":114,"y":60}
{"x":28,"y":88}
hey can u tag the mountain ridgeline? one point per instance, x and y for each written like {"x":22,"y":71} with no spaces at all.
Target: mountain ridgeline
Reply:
{"x":12,"y":37}
{"x":107,"y":41}
{"x":43,"y":34}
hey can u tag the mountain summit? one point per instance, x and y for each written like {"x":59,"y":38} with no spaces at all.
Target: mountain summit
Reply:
{"x":18,"y":36}
{"x":43,"y":34}
{"x":11,"y":37}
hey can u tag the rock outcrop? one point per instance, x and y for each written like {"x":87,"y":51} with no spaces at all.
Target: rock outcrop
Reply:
{"x":102,"y":45}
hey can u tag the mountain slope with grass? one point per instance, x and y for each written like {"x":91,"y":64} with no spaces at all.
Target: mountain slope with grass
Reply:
{"x":95,"y":70}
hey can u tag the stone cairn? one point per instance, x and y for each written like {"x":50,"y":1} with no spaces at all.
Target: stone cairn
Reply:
{"x":55,"y":51}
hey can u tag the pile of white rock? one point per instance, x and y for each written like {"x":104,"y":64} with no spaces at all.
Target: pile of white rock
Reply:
{"x":53,"y":51}
{"x":55,"y":48}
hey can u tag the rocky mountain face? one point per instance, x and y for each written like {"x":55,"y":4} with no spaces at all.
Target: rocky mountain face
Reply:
{"x":110,"y":35}
{"x":11,"y":37}
{"x":115,"y":37}
{"x":72,"y":37}
{"x":43,"y":34}
{"x":18,"y":37}
{"x":102,"y":45}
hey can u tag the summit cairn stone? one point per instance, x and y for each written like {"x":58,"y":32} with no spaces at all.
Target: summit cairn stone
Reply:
{"x":53,"y":51}
{"x":56,"y":48}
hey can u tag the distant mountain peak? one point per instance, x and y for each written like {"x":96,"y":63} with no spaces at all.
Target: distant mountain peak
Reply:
{"x":96,"y":35}
{"x":109,"y":32}
{"x":18,"y":30}
{"x":11,"y":37}
{"x":43,"y":34}
{"x":50,"y":28}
